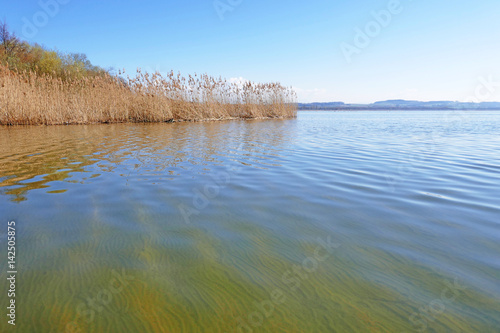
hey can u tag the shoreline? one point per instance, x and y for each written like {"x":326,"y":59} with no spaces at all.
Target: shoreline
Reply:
{"x":172,"y":121}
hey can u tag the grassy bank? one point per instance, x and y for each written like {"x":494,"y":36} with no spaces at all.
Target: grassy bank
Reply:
{"x":45,"y":87}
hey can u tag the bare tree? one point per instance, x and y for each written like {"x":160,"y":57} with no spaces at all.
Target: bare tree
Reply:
{"x":8,"y":40}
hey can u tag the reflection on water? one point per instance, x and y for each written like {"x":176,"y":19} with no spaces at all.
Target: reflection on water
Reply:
{"x":331,"y":222}
{"x":33,"y":157}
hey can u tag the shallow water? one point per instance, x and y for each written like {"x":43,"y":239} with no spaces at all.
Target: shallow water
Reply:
{"x":331,"y":222}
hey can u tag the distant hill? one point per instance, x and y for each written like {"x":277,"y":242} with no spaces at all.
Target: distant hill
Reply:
{"x":400,"y":104}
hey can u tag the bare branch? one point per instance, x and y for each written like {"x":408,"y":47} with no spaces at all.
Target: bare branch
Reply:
{"x":8,"y":40}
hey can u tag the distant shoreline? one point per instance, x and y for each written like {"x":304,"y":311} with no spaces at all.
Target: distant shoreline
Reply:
{"x":401,"y":105}
{"x":397,"y":109}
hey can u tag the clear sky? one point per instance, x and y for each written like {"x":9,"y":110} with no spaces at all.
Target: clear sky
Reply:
{"x":425,"y":50}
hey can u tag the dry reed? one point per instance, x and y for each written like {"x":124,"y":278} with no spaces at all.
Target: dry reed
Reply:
{"x":28,"y":98}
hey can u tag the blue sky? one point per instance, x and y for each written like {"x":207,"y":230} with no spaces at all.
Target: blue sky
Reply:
{"x":426,"y":50}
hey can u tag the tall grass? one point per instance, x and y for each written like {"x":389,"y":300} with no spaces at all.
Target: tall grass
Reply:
{"x":31,"y":98}
{"x":42,"y":86}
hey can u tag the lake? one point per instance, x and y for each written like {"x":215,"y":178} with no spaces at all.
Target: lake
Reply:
{"x":376,"y":221}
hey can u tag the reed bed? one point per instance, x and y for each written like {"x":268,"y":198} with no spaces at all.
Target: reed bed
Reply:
{"x":30,"y":98}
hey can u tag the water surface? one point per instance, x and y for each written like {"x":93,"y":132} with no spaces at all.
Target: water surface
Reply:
{"x":331,"y":222}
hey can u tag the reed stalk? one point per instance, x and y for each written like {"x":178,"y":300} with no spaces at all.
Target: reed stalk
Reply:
{"x":31,"y":98}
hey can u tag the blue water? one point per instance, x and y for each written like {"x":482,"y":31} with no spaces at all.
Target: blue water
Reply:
{"x":210,"y":217}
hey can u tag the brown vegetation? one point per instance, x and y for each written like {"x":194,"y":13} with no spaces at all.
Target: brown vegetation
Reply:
{"x":29,"y":98}
{"x":43,"y":87}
